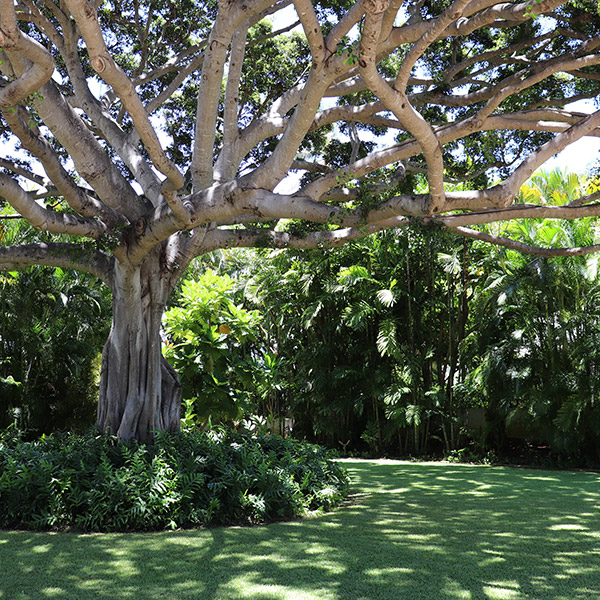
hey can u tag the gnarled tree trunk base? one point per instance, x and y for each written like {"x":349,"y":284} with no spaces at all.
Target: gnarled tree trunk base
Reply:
{"x":140,"y":392}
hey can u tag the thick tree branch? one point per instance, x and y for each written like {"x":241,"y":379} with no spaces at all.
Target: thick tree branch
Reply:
{"x":312,"y":29}
{"x":110,"y":129}
{"x":78,"y":199}
{"x":91,"y":160}
{"x":272,"y":171}
{"x":226,"y":166}
{"x":396,"y":99}
{"x":342,"y":27}
{"x":248,"y":238}
{"x":114,"y":76}
{"x":585,"y":199}
{"x":209,"y":93}
{"x":501,"y":13}
{"x":12,"y":166}
{"x":517,"y":83}
{"x":434,"y":31}
{"x":526,"y":169}
{"x":44,"y":219}
{"x":228,"y":19}
{"x":522,"y":247}
{"x":31,"y":62}
{"x":43,"y":23}
{"x":523,"y":211}
{"x":390,"y":17}
{"x":65,"y":256}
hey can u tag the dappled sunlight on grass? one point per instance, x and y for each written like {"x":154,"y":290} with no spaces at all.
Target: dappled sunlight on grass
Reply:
{"x":501,"y":590}
{"x":408,"y":530}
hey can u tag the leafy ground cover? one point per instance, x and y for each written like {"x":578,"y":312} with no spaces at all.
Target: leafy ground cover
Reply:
{"x":218,"y":477}
{"x":409,"y":531}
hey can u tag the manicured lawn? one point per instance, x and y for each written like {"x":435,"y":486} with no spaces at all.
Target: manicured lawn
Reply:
{"x":410,"y":531}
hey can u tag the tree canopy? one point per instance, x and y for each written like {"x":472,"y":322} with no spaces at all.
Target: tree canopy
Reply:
{"x":146,"y":134}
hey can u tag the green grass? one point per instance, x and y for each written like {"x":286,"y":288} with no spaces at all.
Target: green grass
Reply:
{"x":409,"y":531}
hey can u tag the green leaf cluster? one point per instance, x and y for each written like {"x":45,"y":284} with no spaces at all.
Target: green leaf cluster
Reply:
{"x":52,"y":327}
{"x":94,"y":483}
{"x":210,"y":338}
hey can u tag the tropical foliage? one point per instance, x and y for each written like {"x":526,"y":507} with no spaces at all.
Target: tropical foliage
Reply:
{"x":210,"y":339}
{"x":389,"y":343}
{"x":538,"y":334}
{"x":358,"y":332}
{"x":52,"y":327}
{"x":94,"y":483}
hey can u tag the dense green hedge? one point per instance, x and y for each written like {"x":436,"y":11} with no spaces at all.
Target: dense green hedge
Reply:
{"x":93,"y":483}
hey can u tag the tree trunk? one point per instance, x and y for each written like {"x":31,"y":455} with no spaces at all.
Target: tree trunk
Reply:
{"x":140,"y":392}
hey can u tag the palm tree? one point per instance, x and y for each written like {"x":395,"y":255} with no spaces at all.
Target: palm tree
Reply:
{"x":536,"y":315}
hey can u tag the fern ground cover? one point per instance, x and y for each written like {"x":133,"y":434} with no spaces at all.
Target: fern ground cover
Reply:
{"x":90,"y":483}
{"x":408,"y":531}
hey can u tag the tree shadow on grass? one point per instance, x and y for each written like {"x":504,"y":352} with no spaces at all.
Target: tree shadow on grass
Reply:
{"x":415,"y":531}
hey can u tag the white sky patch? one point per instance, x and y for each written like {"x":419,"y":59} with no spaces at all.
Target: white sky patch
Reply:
{"x":584,"y":153}
{"x":285,"y":17}
{"x":290,"y":184}
{"x":578,"y":157}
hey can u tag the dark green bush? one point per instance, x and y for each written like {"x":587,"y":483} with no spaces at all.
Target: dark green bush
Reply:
{"x":93,"y":483}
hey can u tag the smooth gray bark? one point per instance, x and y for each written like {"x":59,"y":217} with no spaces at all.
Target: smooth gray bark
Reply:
{"x":140,"y":392}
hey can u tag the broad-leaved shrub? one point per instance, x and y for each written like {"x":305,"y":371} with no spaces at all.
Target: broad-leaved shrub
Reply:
{"x":96,"y":483}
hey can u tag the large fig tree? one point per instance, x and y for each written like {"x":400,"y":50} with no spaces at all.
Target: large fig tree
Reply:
{"x":137,"y":135}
